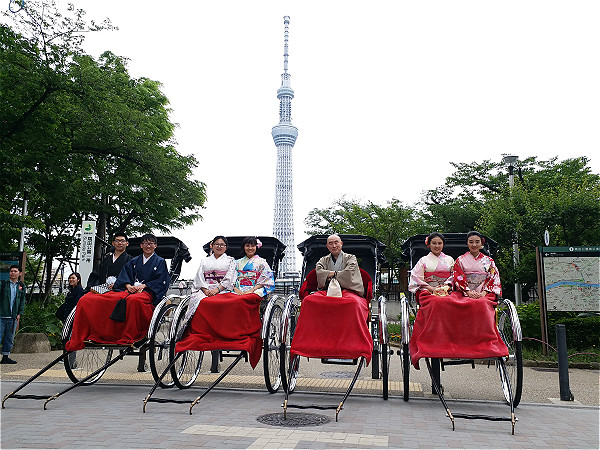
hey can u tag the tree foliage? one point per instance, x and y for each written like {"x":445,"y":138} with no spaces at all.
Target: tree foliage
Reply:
{"x":86,"y":139}
{"x":562,"y":197}
{"x":391,"y":224}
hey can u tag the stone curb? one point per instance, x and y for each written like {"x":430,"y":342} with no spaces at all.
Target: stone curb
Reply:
{"x":31,"y":343}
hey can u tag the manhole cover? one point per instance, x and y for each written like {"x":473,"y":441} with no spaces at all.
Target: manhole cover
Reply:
{"x":293,"y":419}
{"x":337,"y":374}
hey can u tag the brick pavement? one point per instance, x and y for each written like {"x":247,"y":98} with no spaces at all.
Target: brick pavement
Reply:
{"x":110,"y":416}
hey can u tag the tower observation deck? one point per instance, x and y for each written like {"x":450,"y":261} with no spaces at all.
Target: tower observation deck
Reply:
{"x":284,"y":135}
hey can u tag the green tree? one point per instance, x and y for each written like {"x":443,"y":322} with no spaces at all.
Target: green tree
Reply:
{"x":560,"y":196}
{"x":391,"y":224}
{"x":90,"y":141}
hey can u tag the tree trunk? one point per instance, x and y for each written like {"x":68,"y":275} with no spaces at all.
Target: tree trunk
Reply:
{"x":48,"y":276}
{"x":101,"y":233}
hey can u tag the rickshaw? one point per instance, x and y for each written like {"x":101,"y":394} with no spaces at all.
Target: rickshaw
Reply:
{"x":510,"y":367}
{"x":369,"y":252}
{"x":184,"y":367}
{"x":86,"y":366}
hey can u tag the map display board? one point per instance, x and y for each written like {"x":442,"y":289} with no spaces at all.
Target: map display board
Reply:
{"x":571,"y":278}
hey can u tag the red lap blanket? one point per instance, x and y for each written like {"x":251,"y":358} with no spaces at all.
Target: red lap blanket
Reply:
{"x":92,"y":320}
{"x":225,"y":322}
{"x":455,"y":327}
{"x":333,"y":327}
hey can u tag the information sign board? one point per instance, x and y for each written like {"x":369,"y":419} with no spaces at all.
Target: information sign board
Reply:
{"x":571,"y":278}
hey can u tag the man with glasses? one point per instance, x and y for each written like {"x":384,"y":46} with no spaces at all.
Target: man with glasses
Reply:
{"x":111,"y":265}
{"x":122,"y":316}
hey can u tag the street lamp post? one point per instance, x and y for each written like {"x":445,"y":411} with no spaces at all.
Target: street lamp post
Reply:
{"x":511,"y":160}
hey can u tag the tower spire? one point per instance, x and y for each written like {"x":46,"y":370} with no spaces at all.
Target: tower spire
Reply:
{"x":286,"y":33}
{"x":284,"y":135}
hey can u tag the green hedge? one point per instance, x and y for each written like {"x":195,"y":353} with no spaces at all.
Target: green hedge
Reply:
{"x":582,"y":332}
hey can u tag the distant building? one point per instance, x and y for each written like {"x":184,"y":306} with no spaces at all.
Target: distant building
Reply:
{"x":284,"y":135}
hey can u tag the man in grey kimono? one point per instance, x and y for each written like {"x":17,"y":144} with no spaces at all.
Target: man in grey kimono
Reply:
{"x":339,"y":265}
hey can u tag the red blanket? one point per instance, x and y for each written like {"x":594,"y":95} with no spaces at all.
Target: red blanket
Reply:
{"x":333,"y":327}
{"x":225,"y":322}
{"x":92,"y":320}
{"x":455,"y":327}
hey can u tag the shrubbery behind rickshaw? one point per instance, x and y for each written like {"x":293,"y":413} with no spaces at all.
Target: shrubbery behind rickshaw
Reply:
{"x":40,"y":317}
{"x":582,"y":332}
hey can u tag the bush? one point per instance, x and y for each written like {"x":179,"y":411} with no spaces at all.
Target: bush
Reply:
{"x":41,"y":319}
{"x":529,"y":317}
{"x":582,"y":332}
{"x":394,"y":331}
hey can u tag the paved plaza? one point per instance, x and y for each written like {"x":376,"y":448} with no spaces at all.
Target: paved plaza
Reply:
{"x":109,"y":414}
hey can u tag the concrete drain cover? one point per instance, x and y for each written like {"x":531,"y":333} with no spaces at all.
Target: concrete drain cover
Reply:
{"x":337,"y":374}
{"x":293,"y":419}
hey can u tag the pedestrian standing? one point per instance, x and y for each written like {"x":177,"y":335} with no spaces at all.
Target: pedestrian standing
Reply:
{"x":12,"y":305}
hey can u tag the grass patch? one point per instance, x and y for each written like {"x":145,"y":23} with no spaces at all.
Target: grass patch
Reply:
{"x":575,"y":356}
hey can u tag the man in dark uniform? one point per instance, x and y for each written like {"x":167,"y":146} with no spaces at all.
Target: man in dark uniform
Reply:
{"x":122,"y":316}
{"x":112,"y":264}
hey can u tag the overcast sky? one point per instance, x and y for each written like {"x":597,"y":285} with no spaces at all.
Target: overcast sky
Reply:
{"x":387,"y":93}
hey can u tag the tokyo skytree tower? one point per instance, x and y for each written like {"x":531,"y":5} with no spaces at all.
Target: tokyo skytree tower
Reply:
{"x":285,"y":134}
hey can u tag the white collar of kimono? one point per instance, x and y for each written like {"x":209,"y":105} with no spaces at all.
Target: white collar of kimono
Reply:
{"x":431,"y":260}
{"x":337,"y":265}
{"x":145,"y":260}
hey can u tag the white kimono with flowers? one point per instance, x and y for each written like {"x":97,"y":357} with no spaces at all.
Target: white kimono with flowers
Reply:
{"x":212,"y":272}
{"x":431,"y":270}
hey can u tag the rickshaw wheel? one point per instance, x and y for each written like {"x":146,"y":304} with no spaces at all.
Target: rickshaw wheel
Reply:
{"x":383,"y":348}
{"x":271,"y":350}
{"x":288,"y":378}
{"x":82,"y":363}
{"x":160,"y":343}
{"x":507,"y":326}
{"x":385,"y":370}
{"x":406,"y":332}
{"x":406,"y":371}
{"x":187,"y":368}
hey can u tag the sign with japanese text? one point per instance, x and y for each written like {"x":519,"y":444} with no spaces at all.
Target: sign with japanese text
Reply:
{"x":86,"y":250}
{"x":571,"y":278}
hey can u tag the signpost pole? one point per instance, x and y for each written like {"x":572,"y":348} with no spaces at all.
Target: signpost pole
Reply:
{"x":542,"y":300}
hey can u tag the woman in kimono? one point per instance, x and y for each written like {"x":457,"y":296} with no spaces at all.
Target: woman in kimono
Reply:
{"x":475,"y":274}
{"x":462,"y":324}
{"x":224,"y":320}
{"x":253,"y":272}
{"x":433,"y":272}
{"x":215,"y":275}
